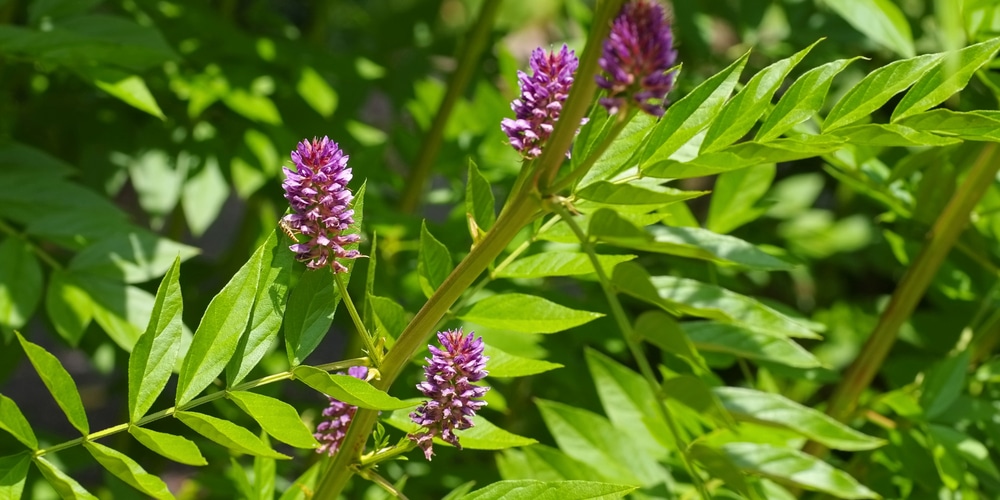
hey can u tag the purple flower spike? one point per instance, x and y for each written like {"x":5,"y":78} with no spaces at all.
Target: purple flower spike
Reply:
{"x":337,"y":417}
{"x":637,"y":54}
{"x":320,"y":199}
{"x":449,"y":376}
{"x":542,"y":96}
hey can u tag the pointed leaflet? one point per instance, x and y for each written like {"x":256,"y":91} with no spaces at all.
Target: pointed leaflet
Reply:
{"x":227,"y":434}
{"x":735,"y":197}
{"x":774,"y":409}
{"x":276,"y":417}
{"x":622,"y":153}
{"x":64,"y":485}
{"x":963,"y":447}
{"x":550,"y":490}
{"x":20,"y":283}
{"x":975,"y":126}
{"x":688,"y":116}
{"x":13,"y":472}
{"x":480,"y":205}
{"x":891,"y":135}
{"x":219,"y":332}
{"x":59,"y":383}
{"x":632,"y":197}
{"x":525,"y":313}
{"x":128,"y":470}
{"x":951,"y":75}
{"x":880,"y":20}
{"x":558,"y":264}
{"x":712,"y":336}
{"x":483,"y":435}
{"x":943,"y":384}
{"x":802,"y":100}
{"x":154,"y":355}
{"x":743,"y":155}
{"x":504,"y":365}
{"x":742,"y":112}
{"x":796,"y":468}
{"x":268,"y":309}
{"x":434,"y":263}
{"x":348,"y":389}
{"x":877,"y":88}
{"x":176,"y":448}
{"x":13,"y":421}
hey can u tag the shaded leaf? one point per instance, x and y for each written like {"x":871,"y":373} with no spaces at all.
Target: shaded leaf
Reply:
{"x":59,"y":383}
{"x":348,"y":389}
{"x":155,"y":353}
{"x":133,"y":257}
{"x":303,"y":487}
{"x":552,"y":490}
{"x":796,"y":468}
{"x":525,"y":313}
{"x":665,"y":332}
{"x":68,"y":306}
{"x":227,"y":434}
{"x":946,"y":79}
{"x":944,"y":384}
{"x":726,"y":338}
{"x":20,"y":283}
{"x":734,"y":198}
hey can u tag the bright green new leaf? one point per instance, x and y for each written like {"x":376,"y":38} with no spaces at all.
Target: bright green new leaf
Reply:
{"x":795,"y":468}
{"x":877,"y":88}
{"x":504,"y":365}
{"x":880,"y":20}
{"x":483,"y":435}
{"x":891,"y":135}
{"x":155,"y":353}
{"x":59,"y":383}
{"x":218,"y":334}
{"x":743,"y":155}
{"x":64,"y":485}
{"x":525,"y":313}
{"x":775,"y":409}
{"x":276,"y":417}
{"x":13,"y":472}
{"x":434,"y":263}
{"x":316,"y":92}
{"x":176,"y":448}
{"x":227,"y":434}
{"x":550,"y":490}
{"x":950,"y":76}
{"x":663,"y":331}
{"x":348,"y":389}
{"x":801,"y":101}
{"x":128,"y":470}
{"x":632,"y":197}
{"x":20,"y":283}
{"x":944,"y":384}
{"x":559,"y":264}
{"x":13,"y":421}
{"x":480,"y":204}
{"x":742,"y":111}
{"x":735,"y":196}
{"x":712,"y":336}
{"x":135,"y":257}
{"x":68,"y":306}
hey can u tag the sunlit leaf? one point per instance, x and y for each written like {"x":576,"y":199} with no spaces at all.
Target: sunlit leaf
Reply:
{"x":20,"y":283}
{"x":176,"y":448}
{"x":276,"y":417}
{"x":155,"y":353}
{"x":128,"y":470}
{"x":558,"y":264}
{"x":347,"y":389}
{"x":483,"y":435}
{"x":550,"y":490}
{"x":59,"y":383}
{"x":505,"y":365}
{"x":64,"y":485}
{"x":227,"y":434}
{"x":434,"y":264}
{"x":525,"y":313}
{"x":946,"y":79}
{"x":795,"y":468}
{"x":13,"y":421}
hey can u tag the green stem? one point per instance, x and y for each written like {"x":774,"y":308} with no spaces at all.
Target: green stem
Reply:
{"x":152,"y":417}
{"x":630,"y":339}
{"x":478,"y":36}
{"x":371,"y":459}
{"x":374,"y":354}
{"x":941,"y":238}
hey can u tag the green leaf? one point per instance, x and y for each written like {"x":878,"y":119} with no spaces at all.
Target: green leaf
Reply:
{"x":155,"y":353}
{"x":13,"y":472}
{"x":592,"y":439}
{"x":258,"y":108}
{"x":559,"y":264}
{"x":963,"y":447}
{"x":695,"y":393}
{"x":55,"y":9}
{"x":176,"y":448}
{"x":227,"y":434}
{"x":972,"y":126}
{"x":122,"y":311}
{"x":64,"y":485}
{"x":203,"y":196}
{"x":434,"y":263}
{"x":943,"y":384}
{"x":309,"y":314}
{"x":59,"y":383}
{"x":691,"y":242}
{"x":543,"y":463}
{"x":69,"y":307}
{"x":712,"y":336}
{"x":276,"y":417}
{"x":622,"y":153}
{"x":877,"y":88}
{"x":504,"y":365}
{"x":348,"y":389}
{"x":795,"y":468}
{"x":128,"y":470}
{"x":264,"y":475}
{"x":13,"y":421}
{"x":480,"y":204}
{"x":525,"y":313}
{"x":20,"y":283}
{"x":665,"y":332}
{"x":632,"y":197}
{"x":316,"y":92}
{"x":238,"y":474}
{"x":880,"y":20}
{"x":735,"y":195}
{"x":946,"y":79}
{"x":692,"y":113}
{"x":719,"y":466}
{"x":742,"y":112}
{"x":774,"y":409}
{"x":891,"y":135}
{"x":304,"y":486}
{"x":550,"y":490}
{"x":483,"y":435}
{"x":130,"y":89}
{"x":218,"y":334}
{"x":135,"y":257}
{"x":269,"y":307}
{"x":801,"y":101}
{"x":743,"y":155}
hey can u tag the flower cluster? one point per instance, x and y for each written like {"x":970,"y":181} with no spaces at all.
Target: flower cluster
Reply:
{"x":636,"y":57}
{"x":449,"y":374}
{"x":542,"y":96}
{"x":320,"y":199}
{"x":337,"y":417}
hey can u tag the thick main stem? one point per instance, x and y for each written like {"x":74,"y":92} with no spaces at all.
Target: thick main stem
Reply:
{"x":941,"y":238}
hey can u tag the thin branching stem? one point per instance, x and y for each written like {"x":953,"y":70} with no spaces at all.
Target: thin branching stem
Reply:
{"x":366,"y":337}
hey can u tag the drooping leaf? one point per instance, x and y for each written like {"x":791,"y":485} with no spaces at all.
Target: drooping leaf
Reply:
{"x":550,"y":490}
{"x":966,"y":125}
{"x":59,"y":383}
{"x":479,"y":201}
{"x":504,"y":365}
{"x":13,"y":421}
{"x":558,"y":264}
{"x":950,"y":76}
{"x":64,"y":485}
{"x":227,"y":434}
{"x":128,"y":470}
{"x":525,"y":313}
{"x":880,"y":20}
{"x":176,"y":448}
{"x":713,"y":336}
{"x":802,"y":100}
{"x":796,"y":468}
{"x":276,"y":417}
{"x":134,"y":257}
{"x":483,"y":435}
{"x":348,"y":389}
{"x":434,"y":263}
{"x":622,"y":153}
{"x":13,"y":472}
{"x":20,"y":283}
{"x":155,"y":353}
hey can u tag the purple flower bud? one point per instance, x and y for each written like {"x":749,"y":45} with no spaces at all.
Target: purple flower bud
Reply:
{"x":337,"y":417}
{"x":320,"y":199}
{"x":449,"y":375}
{"x":637,"y":54}
{"x":542,"y":96}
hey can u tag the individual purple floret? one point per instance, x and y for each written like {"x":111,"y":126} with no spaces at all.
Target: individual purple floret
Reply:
{"x":320,"y":199}
{"x":542,"y":96}
{"x":331,"y":431}
{"x":636,"y":56}
{"x":449,"y":375}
